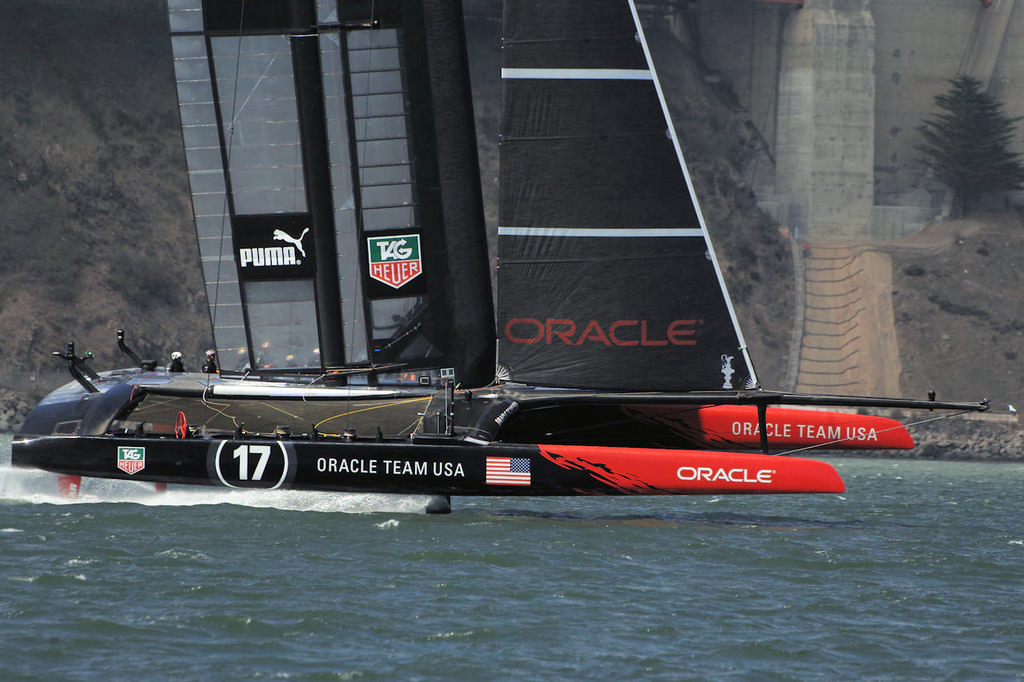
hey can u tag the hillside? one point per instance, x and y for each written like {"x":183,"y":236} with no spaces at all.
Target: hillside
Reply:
{"x":958,"y":300}
{"x":97,"y":222}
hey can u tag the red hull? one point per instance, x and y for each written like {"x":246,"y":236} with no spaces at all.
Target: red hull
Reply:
{"x":645,"y":471}
{"x":736,"y":426}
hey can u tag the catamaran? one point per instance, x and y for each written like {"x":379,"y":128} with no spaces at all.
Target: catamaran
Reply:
{"x":336,"y":195}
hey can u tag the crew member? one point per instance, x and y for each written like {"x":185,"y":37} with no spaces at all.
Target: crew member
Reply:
{"x":177,"y":364}
{"x":210,"y":366}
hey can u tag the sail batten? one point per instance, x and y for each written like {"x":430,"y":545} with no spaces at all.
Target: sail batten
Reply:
{"x":578,"y":74}
{"x":607,"y":232}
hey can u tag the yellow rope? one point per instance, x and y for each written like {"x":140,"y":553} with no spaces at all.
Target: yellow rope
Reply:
{"x":367,"y":409}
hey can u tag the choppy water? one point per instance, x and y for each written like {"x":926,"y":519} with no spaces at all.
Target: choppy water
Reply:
{"x":916,"y":573}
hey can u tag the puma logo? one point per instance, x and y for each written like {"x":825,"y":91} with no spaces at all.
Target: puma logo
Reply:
{"x":281,"y":235}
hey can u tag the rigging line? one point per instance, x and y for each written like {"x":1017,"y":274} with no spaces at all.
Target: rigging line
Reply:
{"x":349,"y":414}
{"x":258,"y":81}
{"x":225,"y":207}
{"x":817,"y":446}
{"x":338,"y":73}
{"x":315,"y":380}
{"x":229,"y":136}
{"x":411,"y":427}
{"x":219,"y":410}
{"x":359,"y":292}
{"x":357,"y":289}
{"x":274,"y":405}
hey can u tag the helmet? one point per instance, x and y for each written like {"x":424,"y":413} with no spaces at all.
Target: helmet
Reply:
{"x":176,"y":355}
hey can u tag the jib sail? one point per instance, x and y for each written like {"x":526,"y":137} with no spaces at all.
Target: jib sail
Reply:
{"x":332,"y":166}
{"x":606,"y":275}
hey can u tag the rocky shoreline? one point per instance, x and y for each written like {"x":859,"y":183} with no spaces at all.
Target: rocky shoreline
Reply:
{"x":998,"y":438}
{"x":13,"y":410}
{"x":992,"y":438}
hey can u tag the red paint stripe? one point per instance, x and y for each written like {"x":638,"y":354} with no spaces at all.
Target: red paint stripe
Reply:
{"x":649,"y":471}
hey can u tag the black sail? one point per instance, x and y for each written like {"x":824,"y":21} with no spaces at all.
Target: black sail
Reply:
{"x":606,"y":276}
{"x":333,"y":171}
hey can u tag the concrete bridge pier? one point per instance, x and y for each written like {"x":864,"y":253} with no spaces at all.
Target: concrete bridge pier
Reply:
{"x":826,"y":118}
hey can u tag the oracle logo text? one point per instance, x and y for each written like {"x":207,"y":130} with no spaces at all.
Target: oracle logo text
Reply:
{"x":617,"y":333}
{"x":739,"y":475}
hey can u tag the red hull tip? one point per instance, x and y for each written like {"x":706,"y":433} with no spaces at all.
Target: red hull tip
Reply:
{"x":644,"y":471}
{"x":69,"y":486}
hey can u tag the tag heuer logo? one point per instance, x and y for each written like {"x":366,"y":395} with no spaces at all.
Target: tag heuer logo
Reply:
{"x":395,"y":260}
{"x":131,"y":460}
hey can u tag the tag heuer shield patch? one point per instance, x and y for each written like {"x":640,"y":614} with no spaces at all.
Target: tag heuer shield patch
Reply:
{"x":131,"y":459}
{"x":395,"y":260}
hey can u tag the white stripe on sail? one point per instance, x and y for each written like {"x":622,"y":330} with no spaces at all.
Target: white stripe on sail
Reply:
{"x":579,"y":74}
{"x":601,"y":232}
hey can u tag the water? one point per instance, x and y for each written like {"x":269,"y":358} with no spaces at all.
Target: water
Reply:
{"x":916,"y":573}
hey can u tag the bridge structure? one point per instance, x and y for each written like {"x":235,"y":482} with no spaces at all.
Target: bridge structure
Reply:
{"x":833,"y":90}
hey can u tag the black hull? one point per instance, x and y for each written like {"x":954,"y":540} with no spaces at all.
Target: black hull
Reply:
{"x":431,"y":466}
{"x":353,"y":466}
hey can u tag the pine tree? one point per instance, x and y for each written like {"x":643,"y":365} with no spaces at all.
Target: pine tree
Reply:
{"x":967,"y":146}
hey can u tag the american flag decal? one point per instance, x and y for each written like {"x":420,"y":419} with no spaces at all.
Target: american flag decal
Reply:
{"x":508,"y":471}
